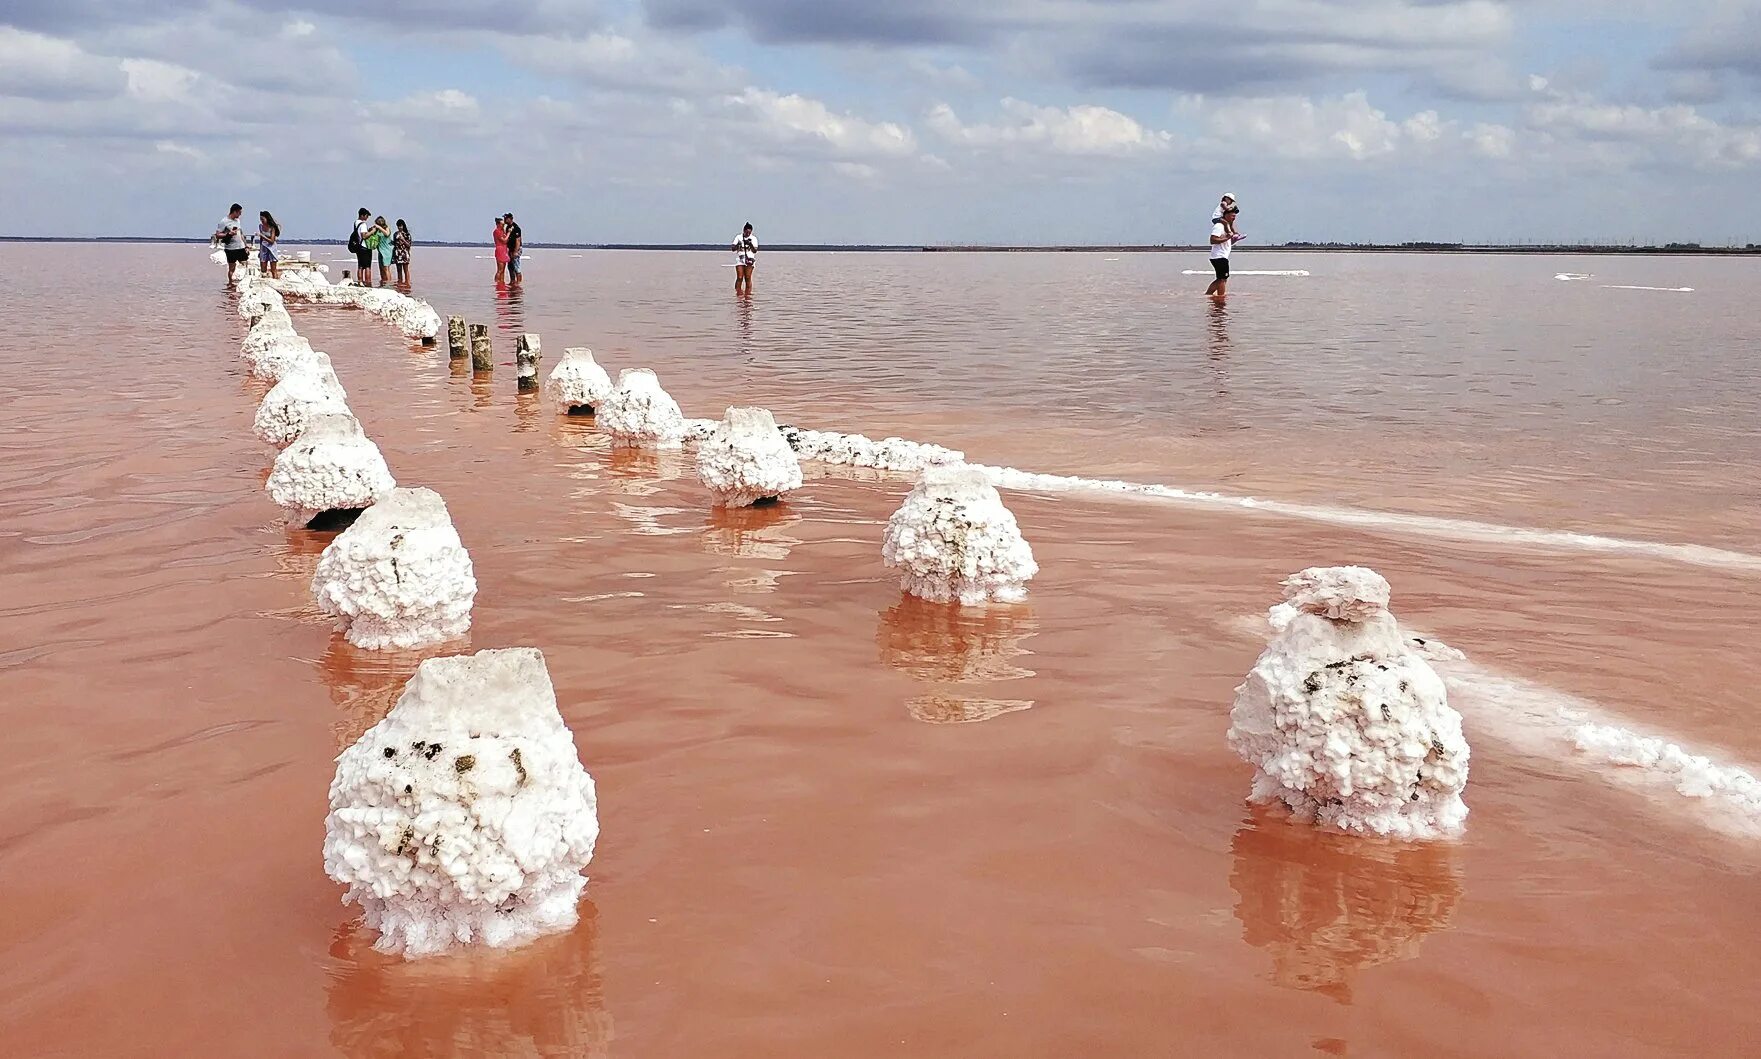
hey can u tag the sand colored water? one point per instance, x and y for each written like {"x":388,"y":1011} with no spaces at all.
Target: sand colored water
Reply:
{"x":841,"y":821}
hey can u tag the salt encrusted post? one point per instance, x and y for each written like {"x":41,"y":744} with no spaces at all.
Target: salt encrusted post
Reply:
{"x":1344,"y":722}
{"x":527,"y":354}
{"x":482,"y":354}
{"x":458,"y":344}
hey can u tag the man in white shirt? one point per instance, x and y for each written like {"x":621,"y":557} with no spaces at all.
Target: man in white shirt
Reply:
{"x":1221,"y":243}
{"x":231,"y":239}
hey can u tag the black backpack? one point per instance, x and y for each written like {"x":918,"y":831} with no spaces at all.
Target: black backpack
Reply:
{"x":355,"y":239}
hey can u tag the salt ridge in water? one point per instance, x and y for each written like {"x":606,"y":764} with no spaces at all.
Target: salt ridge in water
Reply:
{"x":1548,"y":723}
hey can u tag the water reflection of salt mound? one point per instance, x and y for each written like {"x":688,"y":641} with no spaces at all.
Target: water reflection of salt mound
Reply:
{"x":639,"y":412}
{"x":577,"y":384}
{"x":399,"y":577}
{"x":746,"y":460}
{"x":1344,"y":722}
{"x":545,"y":1001}
{"x":751,"y":532}
{"x":310,"y":389}
{"x":952,"y":709}
{"x":1326,"y":906}
{"x":363,"y":685}
{"x":332,"y":467}
{"x":943,"y":642}
{"x":464,"y":818}
{"x":953,"y":540}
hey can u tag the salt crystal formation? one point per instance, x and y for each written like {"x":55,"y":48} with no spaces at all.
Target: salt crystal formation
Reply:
{"x":1692,"y":775}
{"x":577,"y":384}
{"x":309,"y":390}
{"x":465,"y":817}
{"x":1344,"y":722}
{"x":854,"y":450}
{"x":399,"y":577}
{"x":282,"y":358}
{"x":639,"y":412}
{"x":332,"y":467}
{"x":746,"y":460}
{"x":953,"y":540}
{"x":257,"y":299}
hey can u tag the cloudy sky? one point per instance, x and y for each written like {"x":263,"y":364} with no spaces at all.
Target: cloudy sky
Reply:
{"x":902,"y":121}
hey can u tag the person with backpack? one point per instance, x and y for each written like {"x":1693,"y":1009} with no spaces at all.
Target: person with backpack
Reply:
{"x":358,"y":246}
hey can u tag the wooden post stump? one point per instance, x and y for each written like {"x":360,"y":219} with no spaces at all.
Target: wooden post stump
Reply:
{"x":482,"y":354}
{"x":457,"y":343}
{"x":527,"y":354}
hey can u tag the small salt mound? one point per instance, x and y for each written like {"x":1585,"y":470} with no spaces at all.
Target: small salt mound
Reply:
{"x":273,"y":322}
{"x":464,"y":818}
{"x":256,"y":300}
{"x":638,"y":411}
{"x":854,"y":450}
{"x":746,"y":460}
{"x":414,"y":318}
{"x":399,"y":577}
{"x":953,"y":540}
{"x":332,"y":467}
{"x":1344,"y":722}
{"x":310,"y":389}
{"x":279,"y":359}
{"x":577,"y":383}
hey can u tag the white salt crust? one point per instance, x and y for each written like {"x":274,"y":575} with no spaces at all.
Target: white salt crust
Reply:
{"x":577,"y":381}
{"x":639,"y":412}
{"x":854,"y":450}
{"x":333,"y":466}
{"x":399,"y":577}
{"x":256,"y":299}
{"x":1692,"y":775}
{"x":464,"y":818}
{"x":306,"y":391}
{"x":1344,"y":722}
{"x":411,"y":316}
{"x":954,"y":541}
{"x":746,"y":460}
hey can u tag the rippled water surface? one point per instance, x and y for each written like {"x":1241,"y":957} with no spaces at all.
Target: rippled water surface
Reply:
{"x":838,"y":821}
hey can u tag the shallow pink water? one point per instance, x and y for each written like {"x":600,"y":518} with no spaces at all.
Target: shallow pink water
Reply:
{"x":793,"y":861}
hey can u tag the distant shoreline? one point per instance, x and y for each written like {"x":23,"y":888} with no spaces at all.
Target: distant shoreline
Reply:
{"x":1673,"y":249}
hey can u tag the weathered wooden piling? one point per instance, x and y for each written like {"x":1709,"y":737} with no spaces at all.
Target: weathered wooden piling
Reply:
{"x":482,"y":354}
{"x":458,"y":345}
{"x":527,"y":354}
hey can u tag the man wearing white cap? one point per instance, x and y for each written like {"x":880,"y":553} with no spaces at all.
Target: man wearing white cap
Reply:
{"x":1223,"y":239}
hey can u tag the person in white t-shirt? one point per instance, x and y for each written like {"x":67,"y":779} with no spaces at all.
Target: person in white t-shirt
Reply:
{"x":1222,"y":241}
{"x":228,"y":236}
{"x":745,"y":259}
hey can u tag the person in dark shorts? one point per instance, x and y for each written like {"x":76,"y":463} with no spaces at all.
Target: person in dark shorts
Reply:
{"x":1221,"y":243}
{"x":516,"y":246}
{"x":358,"y":243}
{"x":229,"y":237}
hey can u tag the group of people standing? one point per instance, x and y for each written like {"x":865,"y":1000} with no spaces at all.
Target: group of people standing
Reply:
{"x":373,"y":242}
{"x":510,"y":248}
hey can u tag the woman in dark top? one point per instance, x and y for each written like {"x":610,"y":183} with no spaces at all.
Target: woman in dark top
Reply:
{"x":400,"y":252}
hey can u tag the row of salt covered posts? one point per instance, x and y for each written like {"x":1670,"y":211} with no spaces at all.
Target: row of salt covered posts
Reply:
{"x":1343,"y":719}
{"x":1363,"y":742}
{"x":464,"y":817}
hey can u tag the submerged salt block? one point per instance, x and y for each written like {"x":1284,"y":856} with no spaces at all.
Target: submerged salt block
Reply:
{"x":399,"y":577}
{"x":639,"y":412}
{"x":464,"y":818}
{"x":1344,"y":722}
{"x":952,"y":540}
{"x":746,"y":461}
{"x":577,"y":384}
{"x":333,"y":466}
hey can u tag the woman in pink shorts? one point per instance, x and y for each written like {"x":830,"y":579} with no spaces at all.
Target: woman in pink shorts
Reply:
{"x":501,"y":252}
